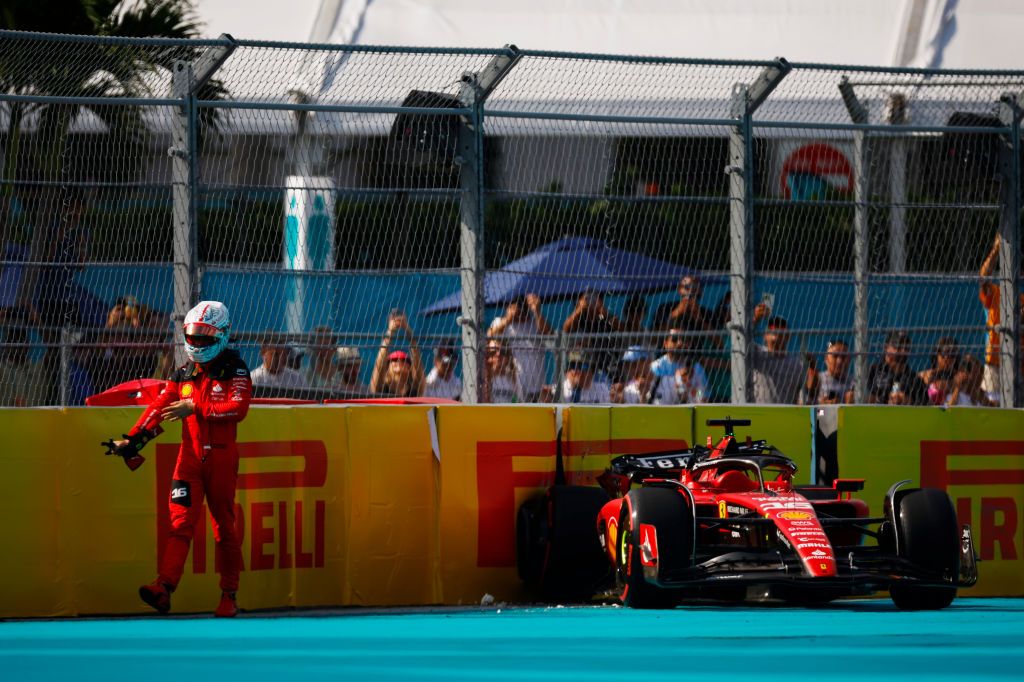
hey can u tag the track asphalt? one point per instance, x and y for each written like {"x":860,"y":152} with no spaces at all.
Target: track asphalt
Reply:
{"x":851,"y":640}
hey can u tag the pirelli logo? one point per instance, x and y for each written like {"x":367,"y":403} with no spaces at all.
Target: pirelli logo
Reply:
{"x":985,"y":479}
{"x":277,"y":530}
{"x":502,"y":467}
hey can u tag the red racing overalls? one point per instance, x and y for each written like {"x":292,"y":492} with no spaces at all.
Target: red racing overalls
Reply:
{"x":207,"y":464}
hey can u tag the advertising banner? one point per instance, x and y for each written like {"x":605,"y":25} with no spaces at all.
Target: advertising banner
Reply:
{"x":789,"y":429}
{"x":975,"y":454}
{"x":493,"y":458}
{"x":80,"y":526}
{"x":593,"y":435}
{"x":360,"y":505}
{"x":90,"y":531}
{"x":390,"y":507}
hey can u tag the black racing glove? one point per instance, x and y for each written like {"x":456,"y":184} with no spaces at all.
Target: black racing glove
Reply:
{"x":130,"y":451}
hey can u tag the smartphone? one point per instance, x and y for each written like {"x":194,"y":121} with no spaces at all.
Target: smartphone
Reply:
{"x":769,"y":300}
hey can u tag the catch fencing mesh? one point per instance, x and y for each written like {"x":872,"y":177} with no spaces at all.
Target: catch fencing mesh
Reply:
{"x":331,"y":194}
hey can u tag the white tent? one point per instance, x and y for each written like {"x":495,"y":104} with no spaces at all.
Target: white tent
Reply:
{"x":958,"y":34}
{"x":950,"y":34}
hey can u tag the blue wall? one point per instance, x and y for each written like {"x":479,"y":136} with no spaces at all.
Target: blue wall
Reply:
{"x":359,"y":302}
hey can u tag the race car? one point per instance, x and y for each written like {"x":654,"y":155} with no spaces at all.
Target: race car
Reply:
{"x":726,"y":522}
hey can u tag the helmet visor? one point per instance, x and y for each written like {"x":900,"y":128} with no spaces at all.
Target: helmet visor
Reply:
{"x":201,"y":329}
{"x":200,"y":340}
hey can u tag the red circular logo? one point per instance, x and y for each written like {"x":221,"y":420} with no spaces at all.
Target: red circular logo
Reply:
{"x":813,"y":170}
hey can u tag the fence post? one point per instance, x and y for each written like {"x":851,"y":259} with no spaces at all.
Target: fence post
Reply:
{"x":897,"y":115}
{"x":186,"y":79}
{"x":473,"y":91}
{"x":861,"y":251}
{"x":745,"y":101}
{"x":183,"y":186}
{"x":1009,"y":255}
{"x":66,"y":339}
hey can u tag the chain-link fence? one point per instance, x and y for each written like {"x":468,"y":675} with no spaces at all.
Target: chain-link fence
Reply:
{"x":507,"y":225}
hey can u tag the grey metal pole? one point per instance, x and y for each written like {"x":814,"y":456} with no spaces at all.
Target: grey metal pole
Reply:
{"x":861,"y":266}
{"x":66,"y":338}
{"x":471,"y":245}
{"x":897,"y":188}
{"x":741,"y":268}
{"x":1010,"y":382}
{"x":745,"y":101}
{"x":186,"y":79}
{"x":861,"y":252}
{"x":183,"y":184}
{"x":474,"y":89}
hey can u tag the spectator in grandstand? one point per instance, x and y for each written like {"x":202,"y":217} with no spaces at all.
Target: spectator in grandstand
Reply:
{"x":891,"y":381}
{"x":778,"y":376}
{"x":989,"y":296}
{"x":127,"y":351}
{"x":687,"y":313}
{"x":296,"y":354}
{"x":834,"y":384}
{"x":158,"y":339}
{"x":521,"y":327}
{"x":634,"y":322}
{"x":596,"y":328}
{"x":939,"y":377}
{"x":679,"y":354}
{"x":501,"y":380}
{"x":442,"y":381}
{"x":580,"y":384}
{"x":966,"y":385}
{"x":322,"y":373}
{"x":274,"y":373}
{"x":397,"y":373}
{"x":85,"y":362}
{"x":632,"y":385}
{"x":123,"y":312}
{"x":349,"y":364}
{"x":690,"y":384}
{"x":22,"y":381}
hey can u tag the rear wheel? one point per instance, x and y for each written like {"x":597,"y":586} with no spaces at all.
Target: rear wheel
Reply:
{"x":929,"y":537}
{"x":558,"y":551}
{"x":669,"y":514}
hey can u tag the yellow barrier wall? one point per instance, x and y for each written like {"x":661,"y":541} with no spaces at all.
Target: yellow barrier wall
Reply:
{"x":975,"y":454}
{"x":349,"y":505}
{"x":493,"y":458}
{"x":391,"y":507}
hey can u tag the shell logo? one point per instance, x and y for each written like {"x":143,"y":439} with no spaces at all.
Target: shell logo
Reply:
{"x":186,"y":390}
{"x":794,"y":515}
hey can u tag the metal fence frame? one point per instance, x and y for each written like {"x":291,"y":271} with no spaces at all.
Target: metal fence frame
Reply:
{"x":474,"y":90}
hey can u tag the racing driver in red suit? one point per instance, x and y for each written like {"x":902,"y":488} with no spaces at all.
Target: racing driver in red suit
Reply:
{"x":210,"y":395}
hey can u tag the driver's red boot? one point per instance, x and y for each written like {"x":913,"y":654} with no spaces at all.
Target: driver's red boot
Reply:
{"x":228,"y":607}
{"x":157,"y":595}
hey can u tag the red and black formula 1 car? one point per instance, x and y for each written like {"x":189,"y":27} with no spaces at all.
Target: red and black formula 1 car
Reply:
{"x":727,"y":523}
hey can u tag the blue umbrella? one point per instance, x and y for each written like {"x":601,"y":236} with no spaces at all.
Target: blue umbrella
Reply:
{"x":568,"y":267}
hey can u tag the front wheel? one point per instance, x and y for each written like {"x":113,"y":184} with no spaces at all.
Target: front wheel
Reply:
{"x":929,"y":537}
{"x":653,"y":518}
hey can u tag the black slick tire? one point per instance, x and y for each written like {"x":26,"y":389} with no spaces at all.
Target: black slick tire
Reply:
{"x":929,"y":538}
{"x":669,"y":512}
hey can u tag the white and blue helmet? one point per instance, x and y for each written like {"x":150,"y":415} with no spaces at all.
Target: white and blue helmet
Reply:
{"x":206,"y":331}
